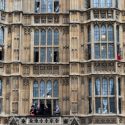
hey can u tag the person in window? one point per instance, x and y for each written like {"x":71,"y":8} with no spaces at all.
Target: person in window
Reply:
{"x":57,"y":110}
{"x":32,"y":111}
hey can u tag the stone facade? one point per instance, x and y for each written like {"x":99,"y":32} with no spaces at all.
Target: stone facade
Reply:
{"x":66,"y":53}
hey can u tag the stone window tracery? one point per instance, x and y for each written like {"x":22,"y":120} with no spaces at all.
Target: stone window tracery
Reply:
{"x":46,"y":45}
{"x":46,"y":95}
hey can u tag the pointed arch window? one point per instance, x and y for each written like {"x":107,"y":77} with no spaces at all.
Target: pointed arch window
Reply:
{"x":56,"y":37}
{"x":43,"y":37}
{"x":104,"y":87}
{"x":97,"y":87}
{"x":49,"y":88}
{"x":42,"y":89}
{"x":103,"y":33}
{"x":1,"y":35}
{"x":35,"y":89}
{"x":111,"y":87}
{"x":36,"y":37}
{"x":49,"y":37}
{"x":110,"y":33}
{"x":55,"y":89}
{"x":96,"y":33}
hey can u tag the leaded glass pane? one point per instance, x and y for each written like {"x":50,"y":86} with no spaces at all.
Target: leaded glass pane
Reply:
{"x":49,"y":54}
{"x":49,"y":88}
{"x":112,"y":105}
{"x":42,"y":89}
{"x":96,"y":34}
{"x":35,"y":89}
{"x":97,"y":87}
{"x":97,"y":51}
{"x":56,"y":37}
{"x":98,"y":105}
{"x":104,"y":51}
{"x":96,"y":3}
{"x":103,"y":33}
{"x":49,"y":37}
{"x":105,"y":105}
{"x":43,"y":37}
{"x":42,"y":54}
{"x":110,"y":33}
{"x":111,"y":82}
{"x":111,"y":51}
{"x":36,"y":37}
{"x":43,"y":5}
{"x":2,"y":4}
{"x":1,"y":35}
{"x":50,"y":6}
{"x":55,"y":89}
{"x":102,"y":3}
{"x":109,"y":3}
{"x":104,"y":87}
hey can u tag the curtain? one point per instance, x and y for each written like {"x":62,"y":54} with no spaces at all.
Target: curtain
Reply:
{"x":97,"y":87}
{"x":105,"y":105}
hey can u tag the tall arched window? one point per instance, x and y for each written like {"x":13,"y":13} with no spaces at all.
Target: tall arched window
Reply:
{"x":43,"y":5}
{"x":104,"y":87}
{"x":0,"y":87}
{"x":103,"y":33}
{"x":1,"y":35}
{"x":50,"y":6}
{"x":36,"y":37}
{"x":56,"y":37}
{"x":97,"y":87}
{"x":35,"y":89}
{"x":42,"y":89}
{"x":49,"y":88}
{"x":96,"y":33}
{"x":55,"y":89}
{"x":49,"y":37}
{"x":111,"y":82}
{"x":43,"y":37}
{"x":110,"y":33}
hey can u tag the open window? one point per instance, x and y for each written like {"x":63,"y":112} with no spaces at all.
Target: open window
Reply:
{"x":56,"y":6}
{"x":37,"y":6}
{"x":56,"y":55}
{"x":89,"y":51}
{"x":36,"y":54}
{"x":1,"y":53}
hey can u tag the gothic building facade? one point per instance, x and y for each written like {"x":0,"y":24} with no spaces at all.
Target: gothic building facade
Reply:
{"x":63,"y":58}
